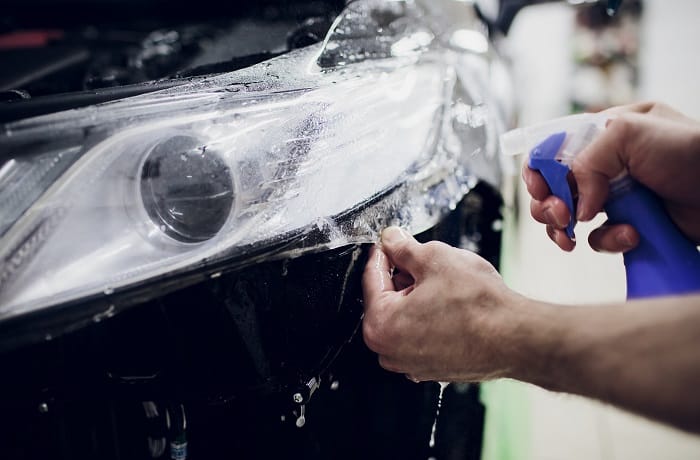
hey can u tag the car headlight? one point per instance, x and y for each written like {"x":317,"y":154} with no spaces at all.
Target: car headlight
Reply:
{"x":389,"y":121}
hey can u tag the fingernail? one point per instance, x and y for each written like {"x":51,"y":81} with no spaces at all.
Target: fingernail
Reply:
{"x":393,"y":235}
{"x":552,"y":218}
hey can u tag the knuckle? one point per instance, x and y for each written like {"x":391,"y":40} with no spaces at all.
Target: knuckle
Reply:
{"x":402,"y":250}
{"x":430,"y":249}
{"x":388,"y":364}
{"x":537,"y":211}
{"x":657,"y":106}
{"x":433,"y":248}
{"x":371,"y":335}
{"x":644,"y":106}
{"x":433,"y":251}
{"x":622,"y":125}
{"x":485,"y":265}
{"x":378,"y":333}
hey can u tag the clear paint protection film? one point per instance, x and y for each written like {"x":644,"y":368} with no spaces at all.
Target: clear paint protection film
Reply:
{"x":389,"y":121}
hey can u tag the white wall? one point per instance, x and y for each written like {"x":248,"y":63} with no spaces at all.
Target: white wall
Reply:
{"x":670,"y":58}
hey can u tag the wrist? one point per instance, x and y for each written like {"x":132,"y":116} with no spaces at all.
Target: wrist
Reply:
{"x":534,"y":342}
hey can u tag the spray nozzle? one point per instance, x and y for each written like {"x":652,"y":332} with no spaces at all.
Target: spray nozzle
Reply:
{"x":553,"y":145}
{"x":582,"y":126}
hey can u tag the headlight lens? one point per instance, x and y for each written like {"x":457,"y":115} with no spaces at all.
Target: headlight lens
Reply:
{"x":186,"y":191}
{"x":385,"y":123}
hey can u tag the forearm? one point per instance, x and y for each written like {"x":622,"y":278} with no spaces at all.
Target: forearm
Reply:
{"x":643,"y":356}
{"x":459,"y":322}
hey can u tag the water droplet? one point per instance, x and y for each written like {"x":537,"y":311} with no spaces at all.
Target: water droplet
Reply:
{"x":335,"y":385}
{"x":443,"y":385}
{"x":215,"y":275}
{"x":301,"y":420}
{"x":104,"y":315}
{"x":108,"y":291}
{"x":472,"y":116}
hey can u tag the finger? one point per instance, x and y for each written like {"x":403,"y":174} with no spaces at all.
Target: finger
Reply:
{"x":601,"y":161}
{"x":614,"y":238}
{"x":403,"y":251}
{"x":618,"y":149}
{"x":560,"y":238}
{"x":535,"y":183}
{"x":552,"y":211}
{"x":376,"y":279}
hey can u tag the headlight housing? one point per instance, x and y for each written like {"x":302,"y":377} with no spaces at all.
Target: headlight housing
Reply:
{"x":389,"y":121}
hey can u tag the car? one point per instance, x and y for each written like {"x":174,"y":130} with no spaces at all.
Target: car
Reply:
{"x":187,"y":196}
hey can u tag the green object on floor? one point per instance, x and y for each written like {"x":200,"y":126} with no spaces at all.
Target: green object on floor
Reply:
{"x":507,"y":425}
{"x":507,"y":432}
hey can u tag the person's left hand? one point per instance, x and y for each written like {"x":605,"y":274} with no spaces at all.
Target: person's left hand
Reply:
{"x":434,"y":312}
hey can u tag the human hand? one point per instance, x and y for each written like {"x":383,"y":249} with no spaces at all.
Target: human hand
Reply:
{"x":443,"y":315}
{"x":658,"y":146}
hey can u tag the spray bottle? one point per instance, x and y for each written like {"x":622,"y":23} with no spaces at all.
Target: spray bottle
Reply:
{"x":665,"y":262}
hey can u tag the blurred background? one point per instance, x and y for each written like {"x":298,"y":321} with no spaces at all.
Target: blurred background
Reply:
{"x":568,"y":60}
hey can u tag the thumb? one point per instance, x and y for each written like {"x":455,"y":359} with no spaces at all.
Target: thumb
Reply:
{"x":603,"y":160}
{"x":402,"y":250}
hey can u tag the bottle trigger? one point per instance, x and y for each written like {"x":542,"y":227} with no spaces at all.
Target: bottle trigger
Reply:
{"x":543,"y":158}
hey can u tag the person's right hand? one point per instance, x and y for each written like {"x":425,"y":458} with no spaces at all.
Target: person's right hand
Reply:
{"x":658,"y":146}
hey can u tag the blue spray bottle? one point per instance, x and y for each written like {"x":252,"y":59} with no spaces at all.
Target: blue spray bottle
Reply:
{"x":665,"y":262}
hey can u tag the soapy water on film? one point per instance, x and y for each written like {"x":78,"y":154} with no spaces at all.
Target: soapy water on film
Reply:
{"x":383,"y":124}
